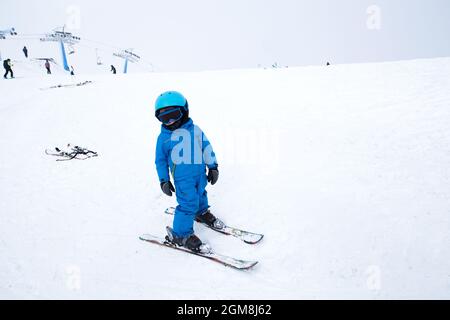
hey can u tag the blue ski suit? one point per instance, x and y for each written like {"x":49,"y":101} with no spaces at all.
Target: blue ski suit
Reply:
{"x":186,"y":152}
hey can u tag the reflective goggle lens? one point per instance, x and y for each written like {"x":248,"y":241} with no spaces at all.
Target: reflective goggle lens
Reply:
{"x":170,"y":115}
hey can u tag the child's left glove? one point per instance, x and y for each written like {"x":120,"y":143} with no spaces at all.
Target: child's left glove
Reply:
{"x":213,"y":176}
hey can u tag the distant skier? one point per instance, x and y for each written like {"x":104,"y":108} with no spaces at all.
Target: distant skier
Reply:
{"x":328,"y":64}
{"x":113,"y":69}
{"x":72,"y":71}
{"x":8,"y":68}
{"x":25,"y":51}
{"x":47,"y":66}
{"x":188,"y":169}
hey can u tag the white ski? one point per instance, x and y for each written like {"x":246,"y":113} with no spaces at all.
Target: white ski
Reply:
{"x":209,"y":254}
{"x":246,"y":236}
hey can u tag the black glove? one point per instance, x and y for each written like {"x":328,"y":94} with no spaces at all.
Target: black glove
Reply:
{"x":213,"y":176}
{"x":167,"y":188}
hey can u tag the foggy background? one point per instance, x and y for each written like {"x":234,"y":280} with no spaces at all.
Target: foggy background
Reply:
{"x":188,"y":35}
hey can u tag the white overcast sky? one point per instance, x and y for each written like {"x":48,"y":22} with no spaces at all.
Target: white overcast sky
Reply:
{"x":217,"y":34}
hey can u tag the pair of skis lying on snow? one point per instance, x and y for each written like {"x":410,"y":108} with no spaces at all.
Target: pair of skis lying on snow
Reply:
{"x":68,"y":85}
{"x":70,"y":153}
{"x":208,"y":253}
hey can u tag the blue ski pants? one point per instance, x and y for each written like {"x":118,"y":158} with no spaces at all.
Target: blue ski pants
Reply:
{"x":192,"y":200}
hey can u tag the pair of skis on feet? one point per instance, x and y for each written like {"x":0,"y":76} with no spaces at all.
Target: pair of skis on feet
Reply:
{"x":207,"y":252}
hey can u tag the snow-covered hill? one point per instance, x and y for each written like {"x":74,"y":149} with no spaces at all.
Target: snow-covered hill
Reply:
{"x":345,"y":169}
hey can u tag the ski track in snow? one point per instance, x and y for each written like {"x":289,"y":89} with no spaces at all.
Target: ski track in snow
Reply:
{"x":345,"y":169}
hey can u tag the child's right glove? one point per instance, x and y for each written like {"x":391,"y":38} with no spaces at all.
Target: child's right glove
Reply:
{"x":167,"y":188}
{"x":213,"y":176}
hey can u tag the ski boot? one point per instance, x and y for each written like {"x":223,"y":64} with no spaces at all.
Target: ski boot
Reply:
{"x":191,"y":242}
{"x":210,"y":220}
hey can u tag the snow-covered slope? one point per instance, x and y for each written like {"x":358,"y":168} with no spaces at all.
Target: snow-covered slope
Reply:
{"x":345,"y":169}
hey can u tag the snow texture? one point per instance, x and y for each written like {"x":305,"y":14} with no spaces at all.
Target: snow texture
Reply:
{"x":345,"y":169}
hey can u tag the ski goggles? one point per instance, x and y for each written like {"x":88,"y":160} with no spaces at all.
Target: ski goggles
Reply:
{"x":170,"y":115}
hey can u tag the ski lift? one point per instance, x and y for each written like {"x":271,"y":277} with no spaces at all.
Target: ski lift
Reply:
{"x":4,"y":33}
{"x":99,"y":59}
{"x":65,"y":37}
{"x":128,"y":56}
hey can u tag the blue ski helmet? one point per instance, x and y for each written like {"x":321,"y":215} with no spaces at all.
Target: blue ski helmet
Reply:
{"x":171,"y":99}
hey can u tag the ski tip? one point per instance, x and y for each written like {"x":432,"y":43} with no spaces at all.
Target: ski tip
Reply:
{"x":146,"y":237}
{"x":250,"y":266}
{"x":256,"y":241}
{"x":242,"y":266}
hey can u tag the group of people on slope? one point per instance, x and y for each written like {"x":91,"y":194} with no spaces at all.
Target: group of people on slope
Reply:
{"x":7,"y":65}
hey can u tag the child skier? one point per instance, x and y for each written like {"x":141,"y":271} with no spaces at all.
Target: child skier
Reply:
{"x":183,"y":148}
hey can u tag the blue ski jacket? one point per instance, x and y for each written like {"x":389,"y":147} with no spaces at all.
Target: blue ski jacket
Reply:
{"x":186,"y":152}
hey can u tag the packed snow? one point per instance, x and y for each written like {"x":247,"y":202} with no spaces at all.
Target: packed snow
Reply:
{"x":345,"y":169}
